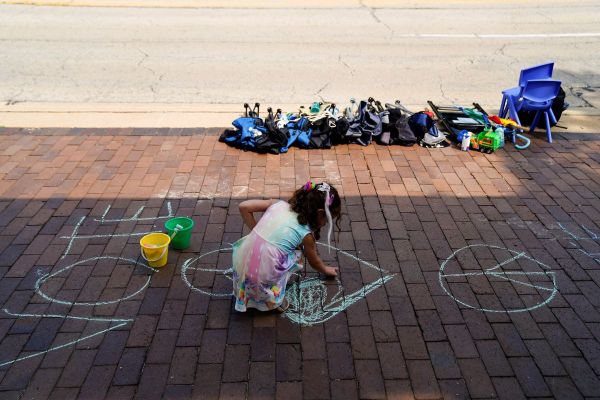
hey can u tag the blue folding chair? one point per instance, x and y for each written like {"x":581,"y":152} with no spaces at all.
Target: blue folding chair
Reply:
{"x":538,"y":95}
{"x":541,"y":71}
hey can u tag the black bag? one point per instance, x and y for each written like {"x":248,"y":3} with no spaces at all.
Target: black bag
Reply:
{"x":338,"y":135}
{"x":274,"y":139}
{"x":321,"y":133}
{"x":364,"y":126}
{"x":396,"y":130}
{"x":558,"y":106}
{"x":254,"y":134}
{"x":401,"y":133}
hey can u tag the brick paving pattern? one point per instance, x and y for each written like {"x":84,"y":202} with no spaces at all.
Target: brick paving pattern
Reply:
{"x":422,"y":334}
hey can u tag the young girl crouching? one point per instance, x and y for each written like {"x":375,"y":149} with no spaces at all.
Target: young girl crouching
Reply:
{"x":264,"y":260}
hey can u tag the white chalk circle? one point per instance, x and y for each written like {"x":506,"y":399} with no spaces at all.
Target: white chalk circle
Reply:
{"x":44,"y":278}
{"x":188,"y":266}
{"x":538,"y":276}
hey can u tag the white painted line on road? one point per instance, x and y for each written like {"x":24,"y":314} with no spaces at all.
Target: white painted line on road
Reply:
{"x":498,"y":35}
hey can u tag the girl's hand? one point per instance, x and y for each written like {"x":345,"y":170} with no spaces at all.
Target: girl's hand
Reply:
{"x":331,"y":271}
{"x":310,"y":250}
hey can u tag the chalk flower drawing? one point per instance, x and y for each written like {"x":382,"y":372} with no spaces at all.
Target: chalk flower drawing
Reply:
{"x":538,"y":278}
{"x":308,"y":298}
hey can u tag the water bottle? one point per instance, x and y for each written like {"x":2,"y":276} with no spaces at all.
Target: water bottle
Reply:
{"x":466,"y":141}
{"x":500,"y":132}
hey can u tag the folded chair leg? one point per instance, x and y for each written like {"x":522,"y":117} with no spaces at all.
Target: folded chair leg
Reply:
{"x":535,"y":121}
{"x":548,"y":132}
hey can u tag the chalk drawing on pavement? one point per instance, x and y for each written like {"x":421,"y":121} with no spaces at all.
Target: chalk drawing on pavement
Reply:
{"x":309,"y":304}
{"x":72,"y":237}
{"x":580,"y":237}
{"x":537,"y":277}
{"x":308,"y":298}
{"x":46,"y":277}
{"x":188,"y":266}
{"x":121,"y":322}
{"x":540,"y":230}
{"x":120,"y":262}
{"x":587,"y":240}
{"x":134,"y":217}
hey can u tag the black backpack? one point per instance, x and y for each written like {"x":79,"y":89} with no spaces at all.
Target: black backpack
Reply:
{"x":398,"y":129}
{"x":558,"y":106}
{"x":338,"y":135}
{"x":274,"y":139}
{"x":364,"y":126}
{"x":321,"y":133}
{"x":401,"y":133}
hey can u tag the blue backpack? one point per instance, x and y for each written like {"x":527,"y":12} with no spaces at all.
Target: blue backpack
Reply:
{"x":299,"y":132}
{"x":249,"y":129}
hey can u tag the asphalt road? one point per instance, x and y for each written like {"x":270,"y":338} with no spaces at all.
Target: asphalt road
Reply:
{"x":226,"y":56}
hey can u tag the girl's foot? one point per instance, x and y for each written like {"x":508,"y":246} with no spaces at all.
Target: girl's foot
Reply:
{"x":283,"y":306}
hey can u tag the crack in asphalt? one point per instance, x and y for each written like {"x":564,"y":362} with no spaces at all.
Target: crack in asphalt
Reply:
{"x":318,"y":92}
{"x":376,"y":18}
{"x":502,"y":52}
{"x":444,"y":93}
{"x":144,"y":56}
{"x":345,"y":64}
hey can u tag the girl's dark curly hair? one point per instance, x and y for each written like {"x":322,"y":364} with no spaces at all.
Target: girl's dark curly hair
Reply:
{"x":306,"y":203}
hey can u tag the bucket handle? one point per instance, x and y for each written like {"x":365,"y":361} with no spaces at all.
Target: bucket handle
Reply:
{"x":176,"y":230}
{"x":156,"y":259}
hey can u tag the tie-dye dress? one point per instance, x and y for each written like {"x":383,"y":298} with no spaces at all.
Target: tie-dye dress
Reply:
{"x":264,"y":260}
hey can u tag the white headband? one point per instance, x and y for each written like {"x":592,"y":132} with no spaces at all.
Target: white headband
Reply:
{"x":324,"y":187}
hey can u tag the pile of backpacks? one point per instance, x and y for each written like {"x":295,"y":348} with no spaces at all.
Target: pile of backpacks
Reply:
{"x":323,"y":125}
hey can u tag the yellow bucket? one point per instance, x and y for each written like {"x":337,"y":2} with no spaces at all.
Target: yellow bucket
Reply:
{"x":155,"y":248}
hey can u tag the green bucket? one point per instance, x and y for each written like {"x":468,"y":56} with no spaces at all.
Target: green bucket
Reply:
{"x":181,"y":240}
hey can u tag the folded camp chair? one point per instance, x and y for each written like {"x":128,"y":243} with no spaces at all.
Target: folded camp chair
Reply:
{"x":455,"y":119}
{"x":510,"y":96}
{"x":538,"y":96}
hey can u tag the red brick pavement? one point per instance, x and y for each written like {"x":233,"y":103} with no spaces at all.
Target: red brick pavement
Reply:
{"x":407,"y":210}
